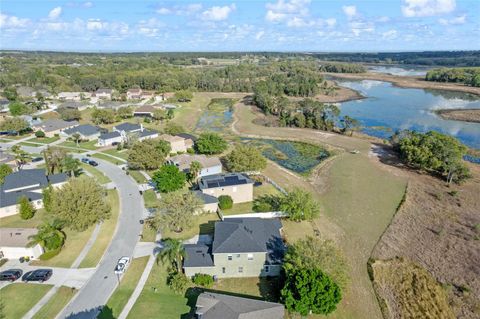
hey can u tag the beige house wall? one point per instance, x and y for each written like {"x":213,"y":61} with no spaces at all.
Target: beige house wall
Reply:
{"x":239,"y":194}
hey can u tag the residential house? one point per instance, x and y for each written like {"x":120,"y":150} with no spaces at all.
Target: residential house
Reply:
{"x":4,"y":103}
{"x":14,"y":243}
{"x":145,"y":111}
{"x":32,"y":121}
{"x":147,"y":134}
{"x":87,"y":132}
{"x":29,"y":183}
{"x":147,"y":95}
{"x":134,"y":94}
{"x":109,"y":139}
{"x":210,"y":203}
{"x":210,"y":165}
{"x":74,"y":96}
{"x":189,"y":139}
{"x":126,"y":127}
{"x":238,"y":186}
{"x":177,"y":143}
{"x":104,"y":94}
{"x":76,"y":105}
{"x":241,"y":247}
{"x":54,"y":126}
{"x":219,"y":306}
{"x":114,"y":105}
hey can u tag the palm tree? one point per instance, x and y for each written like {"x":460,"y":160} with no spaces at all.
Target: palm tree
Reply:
{"x":71,"y":165}
{"x":77,"y":138}
{"x":21,"y":157}
{"x":50,"y":235}
{"x":173,"y":252}
{"x":195,"y":169}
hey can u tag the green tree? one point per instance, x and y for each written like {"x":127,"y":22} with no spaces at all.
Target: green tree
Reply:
{"x":210,"y":143}
{"x":77,"y":138}
{"x":71,"y":166}
{"x":174,"y":129}
{"x":310,"y":290}
{"x":21,"y":157}
{"x":10,"y":93}
{"x":159,"y":115}
{"x":26,"y":208}
{"x":323,"y":254}
{"x":245,"y":158}
{"x":299,"y":205}
{"x":349,"y":124}
{"x":169,"y":178}
{"x":69,"y":114}
{"x":54,"y":159}
{"x":225,"y":202}
{"x":47,"y":195}
{"x":103,"y":116}
{"x":125,"y":112}
{"x":50,"y":236}
{"x":19,"y":108}
{"x":172,"y":253}
{"x":14,"y":124}
{"x":176,"y":211}
{"x":178,"y":282}
{"x":148,"y":154}
{"x":40,"y":134}
{"x":194,"y":171}
{"x":80,"y":203}
{"x":183,"y":96}
{"x":5,"y":170}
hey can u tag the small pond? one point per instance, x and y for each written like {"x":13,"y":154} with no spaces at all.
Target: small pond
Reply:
{"x":295,"y":156}
{"x":217,"y":117}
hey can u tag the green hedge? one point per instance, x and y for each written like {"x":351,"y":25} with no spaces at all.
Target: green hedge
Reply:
{"x":50,"y":254}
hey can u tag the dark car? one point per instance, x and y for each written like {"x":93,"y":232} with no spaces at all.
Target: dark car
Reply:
{"x":37,"y":159}
{"x":40,"y":275}
{"x":10,"y":275}
{"x":93,"y":163}
{"x":85,"y":160}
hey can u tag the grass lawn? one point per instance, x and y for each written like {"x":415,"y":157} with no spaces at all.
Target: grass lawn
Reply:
{"x":15,"y":221}
{"x":89,"y":145}
{"x":18,"y":299}
{"x":137,"y":176}
{"x":4,"y":140}
{"x":56,"y":303}
{"x":253,"y":287}
{"x":105,"y":235}
{"x":202,"y":224}
{"x":188,"y":113}
{"x":44,"y":140}
{"x":150,"y":198}
{"x":50,"y":115}
{"x":29,"y":144}
{"x":99,"y":176}
{"x":122,"y":154}
{"x":70,"y":251}
{"x":162,"y":303}
{"x":148,"y":234}
{"x":129,"y":281}
{"x":108,"y":158}
{"x":245,"y":208}
{"x":241,"y":208}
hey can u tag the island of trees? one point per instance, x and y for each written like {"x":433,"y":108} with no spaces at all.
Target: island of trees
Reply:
{"x":467,"y":76}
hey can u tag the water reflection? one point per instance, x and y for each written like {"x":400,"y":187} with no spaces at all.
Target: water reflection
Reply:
{"x":398,"y":70}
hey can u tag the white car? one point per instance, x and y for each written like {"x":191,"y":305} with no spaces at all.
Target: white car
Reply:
{"x":122,"y":265}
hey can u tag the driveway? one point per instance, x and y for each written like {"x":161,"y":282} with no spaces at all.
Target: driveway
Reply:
{"x":97,"y":290}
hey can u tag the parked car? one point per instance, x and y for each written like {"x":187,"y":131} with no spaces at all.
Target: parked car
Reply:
{"x":10,"y":275}
{"x":85,"y":160}
{"x":93,"y":163}
{"x":122,"y":265}
{"x":40,"y":275}
{"x":37,"y":159}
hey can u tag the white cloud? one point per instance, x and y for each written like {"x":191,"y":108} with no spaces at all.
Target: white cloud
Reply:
{"x":350,"y":11}
{"x":217,"y":13}
{"x":390,"y":34}
{"x":55,"y":13}
{"x":274,"y":16}
{"x":298,"y":22}
{"x":184,"y":10}
{"x":150,"y":27}
{"x":7,"y":21}
{"x":359,"y":27}
{"x":291,"y":11}
{"x":454,"y":21}
{"x":164,"y":11}
{"x":88,"y":4}
{"x":259,"y":35}
{"x":330,"y":22}
{"x":425,"y":8}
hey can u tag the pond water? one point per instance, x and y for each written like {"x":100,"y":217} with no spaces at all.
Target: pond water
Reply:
{"x":217,"y":117}
{"x":388,"y":108}
{"x":398,"y":70}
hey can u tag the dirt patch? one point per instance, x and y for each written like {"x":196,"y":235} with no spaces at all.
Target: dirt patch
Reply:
{"x":438,"y":228}
{"x":408,"y":82}
{"x":465,"y":115}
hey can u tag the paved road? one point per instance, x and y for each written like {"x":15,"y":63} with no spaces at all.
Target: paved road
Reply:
{"x":97,"y":290}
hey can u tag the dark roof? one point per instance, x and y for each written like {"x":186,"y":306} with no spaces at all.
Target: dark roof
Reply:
{"x":84,"y":129}
{"x":147,"y":133}
{"x":29,"y":181}
{"x":188,"y":136}
{"x":71,"y":105}
{"x":198,"y":255}
{"x":55,"y":124}
{"x":109,"y":135}
{"x":128,"y":127}
{"x":219,"y":306}
{"x":222,"y":180}
{"x":249,"y":235}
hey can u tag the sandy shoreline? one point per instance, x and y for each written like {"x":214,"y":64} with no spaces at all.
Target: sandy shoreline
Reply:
{"x":407,"y":82}
{"x":465,"y":115}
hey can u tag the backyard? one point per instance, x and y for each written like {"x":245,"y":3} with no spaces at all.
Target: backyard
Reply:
{"x":258,"y":191}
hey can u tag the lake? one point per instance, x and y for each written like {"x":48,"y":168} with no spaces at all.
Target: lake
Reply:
{"x":399,"y":70}
{"x":388,"y":108}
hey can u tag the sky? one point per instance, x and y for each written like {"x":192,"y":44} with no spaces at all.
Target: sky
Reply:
{"x":242,"y":25}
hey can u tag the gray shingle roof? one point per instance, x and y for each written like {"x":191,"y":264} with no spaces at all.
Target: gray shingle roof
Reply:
{"x":220,"y":306}
{"x":222,"y":180}
{"x":145,"y":133}
{"x":128,"y":127}
{"x":248,"y":235}
{"x":84,"y":129}
{"x":207,"y":199}
{"x":109,"y":135}
{"x":55,"y":124}
{"x":198,"y":255}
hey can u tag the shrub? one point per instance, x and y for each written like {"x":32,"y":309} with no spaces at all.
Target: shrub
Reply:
{"x":210,"y":143}
{"x":39,"y":134}
{"x":50,"y":254}
{"x":225,"y":202}
{"x":26,"y":208}
{"x":178,"y":282}
{"x":169,"y":178}
{"x":203,"y":280}
{"x":3,"y":261}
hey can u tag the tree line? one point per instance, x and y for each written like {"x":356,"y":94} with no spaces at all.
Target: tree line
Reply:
{"x":342,"y":68}
{"x":468,"y":76}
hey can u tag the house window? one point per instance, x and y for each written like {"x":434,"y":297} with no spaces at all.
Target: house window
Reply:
{"x":267,"y":268}
{"x":223,"y":270}
{"x":230,"y":257}
{"x":238,"y":255}
{"x":240,"y":269}
{"x":250,"y":256}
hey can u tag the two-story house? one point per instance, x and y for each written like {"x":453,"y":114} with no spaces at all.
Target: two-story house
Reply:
{"x":238,"y":186}
{"x":29,"y":183}
{"x":242,"y":247}
{"x":123,"y":131}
